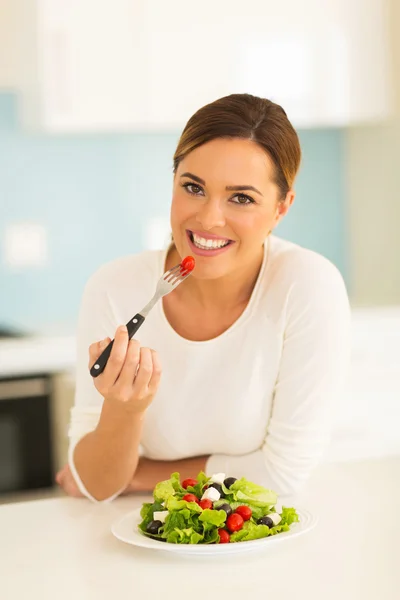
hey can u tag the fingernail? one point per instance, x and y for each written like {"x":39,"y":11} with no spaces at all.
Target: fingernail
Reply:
{"x":122,"y":329}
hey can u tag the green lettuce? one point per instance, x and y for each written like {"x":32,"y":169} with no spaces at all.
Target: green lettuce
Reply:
{"x":215,"y":518}
{"x":147,"y":513}
{"x":250,"y":493}
{"x":289,"y":516}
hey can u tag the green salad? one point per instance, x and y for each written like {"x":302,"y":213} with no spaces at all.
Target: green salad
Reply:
{"x":213,"y":510}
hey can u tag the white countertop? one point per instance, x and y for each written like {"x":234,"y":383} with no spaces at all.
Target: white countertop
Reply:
{"x":375,"y":330}
{"x":63,"y":549}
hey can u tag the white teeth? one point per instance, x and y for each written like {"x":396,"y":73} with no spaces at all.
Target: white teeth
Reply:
{"x":208,"y":244}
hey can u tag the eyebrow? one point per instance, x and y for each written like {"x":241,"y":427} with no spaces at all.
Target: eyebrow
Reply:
{"x":233,"y":188}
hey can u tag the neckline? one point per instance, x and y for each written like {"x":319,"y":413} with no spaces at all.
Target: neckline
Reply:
{"x":238,"y":323}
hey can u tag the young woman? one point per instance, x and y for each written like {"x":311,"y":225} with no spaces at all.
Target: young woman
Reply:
{"x":253,"y":346}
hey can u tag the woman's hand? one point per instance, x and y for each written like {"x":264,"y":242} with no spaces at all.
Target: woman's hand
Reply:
{"x":132,"y":374}
{"x":65,"y":480}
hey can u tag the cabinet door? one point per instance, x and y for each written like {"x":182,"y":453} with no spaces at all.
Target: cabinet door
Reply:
{"x":83,"y":65}
{"x":316,"y":58}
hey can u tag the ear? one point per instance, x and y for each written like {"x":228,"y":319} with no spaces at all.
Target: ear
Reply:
{"x":283,"y":206}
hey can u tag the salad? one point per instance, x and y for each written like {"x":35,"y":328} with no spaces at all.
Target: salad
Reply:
{"x":213,"y":510}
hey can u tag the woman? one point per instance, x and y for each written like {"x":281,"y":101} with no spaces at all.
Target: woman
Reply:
{"x":254,"y":345}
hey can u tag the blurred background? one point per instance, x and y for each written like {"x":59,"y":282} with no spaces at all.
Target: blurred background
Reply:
{"x":93,"y":97}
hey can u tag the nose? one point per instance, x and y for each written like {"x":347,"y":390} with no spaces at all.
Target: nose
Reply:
{"x":210,"y":215}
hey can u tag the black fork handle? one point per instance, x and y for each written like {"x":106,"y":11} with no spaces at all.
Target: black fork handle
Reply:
{"x":100,"y":364}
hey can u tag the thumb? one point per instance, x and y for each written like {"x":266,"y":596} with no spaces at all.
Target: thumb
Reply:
{"x":96,"y":349}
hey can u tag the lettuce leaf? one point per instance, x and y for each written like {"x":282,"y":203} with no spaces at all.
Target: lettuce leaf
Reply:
{"x":213,"y":517}
{"x":243,"y":490}
{"x":289,"y":516}
{"x":147,"y":513}
{"x":251,"y":531}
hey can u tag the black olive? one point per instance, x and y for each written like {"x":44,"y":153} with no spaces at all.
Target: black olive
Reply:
{"x":266,"y":521}
{"x":153,"y":527}
{"x":218,"y":487}
{"x":226,"y":507}
{"x":229,"y":481}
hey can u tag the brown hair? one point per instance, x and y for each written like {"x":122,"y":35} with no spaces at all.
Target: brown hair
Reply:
{"x":247,"y":117}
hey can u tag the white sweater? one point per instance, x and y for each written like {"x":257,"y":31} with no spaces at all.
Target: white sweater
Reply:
{"x":260,"y":398}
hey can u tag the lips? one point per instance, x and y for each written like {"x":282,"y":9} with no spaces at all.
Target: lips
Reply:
{"x":208,"y":251}
{"x":209,"y":236}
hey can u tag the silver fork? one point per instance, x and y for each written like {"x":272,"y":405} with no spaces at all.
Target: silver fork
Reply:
{"x":166,"y":284}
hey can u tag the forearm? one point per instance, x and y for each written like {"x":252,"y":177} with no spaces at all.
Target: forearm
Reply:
{"x":106,"y":458}
{"x":149,"y":472}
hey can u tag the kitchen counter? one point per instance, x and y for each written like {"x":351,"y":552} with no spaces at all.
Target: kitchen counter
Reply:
{"x":62,"y":548}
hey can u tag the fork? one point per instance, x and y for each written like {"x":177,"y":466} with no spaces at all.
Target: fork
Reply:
{"x":166,"y":284}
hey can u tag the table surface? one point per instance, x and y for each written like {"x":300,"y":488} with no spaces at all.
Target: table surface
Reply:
{"x":63,"y":549}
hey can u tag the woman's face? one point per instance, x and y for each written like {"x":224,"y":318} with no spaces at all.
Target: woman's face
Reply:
{"x":224,"y":205}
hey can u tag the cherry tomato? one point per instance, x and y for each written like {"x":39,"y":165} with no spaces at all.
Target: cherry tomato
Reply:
{"x":187,"y":482}
{"x":188,"y":263}
{"x":206,"y":503}
{"x":190,"y":498}
{"x":244,"y":511}
{"x":234,"y":522}
{"x":223,"y":536}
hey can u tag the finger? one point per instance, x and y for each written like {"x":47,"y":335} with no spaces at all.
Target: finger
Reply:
{"x":128,"y":372}
{"x":96,"y":349}
{"x":116,"y":359}
{"x":144,"y":373}
{"x":156,"y":375}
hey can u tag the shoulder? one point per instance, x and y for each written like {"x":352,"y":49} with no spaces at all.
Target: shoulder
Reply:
{"x":291,"y":265}
{"x":301,"y":280}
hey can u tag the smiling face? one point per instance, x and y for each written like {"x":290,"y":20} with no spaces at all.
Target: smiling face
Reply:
{"x":225,"y":202}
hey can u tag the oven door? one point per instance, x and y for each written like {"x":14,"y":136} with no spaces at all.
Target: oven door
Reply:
{"x":25,"y":434}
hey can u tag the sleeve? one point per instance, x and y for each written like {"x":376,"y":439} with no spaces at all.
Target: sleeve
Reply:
{"x":96,"y":321}
{"x":313,"y":368}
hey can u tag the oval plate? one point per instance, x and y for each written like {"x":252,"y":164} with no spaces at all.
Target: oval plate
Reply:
{"x":126,"y":530}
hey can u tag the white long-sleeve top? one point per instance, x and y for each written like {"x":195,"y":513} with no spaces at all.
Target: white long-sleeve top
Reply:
{"x":260,"y":398}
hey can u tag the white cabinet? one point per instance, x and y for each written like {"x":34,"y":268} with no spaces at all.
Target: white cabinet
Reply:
{"x":82,"y":67}
{"x":8,"y":45}
{"x":149,"y":64}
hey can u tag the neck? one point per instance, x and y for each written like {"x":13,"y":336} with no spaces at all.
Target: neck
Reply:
{"x":227,"y":292}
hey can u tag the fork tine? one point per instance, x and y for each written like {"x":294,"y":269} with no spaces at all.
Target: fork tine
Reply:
{"x":172,"y":272}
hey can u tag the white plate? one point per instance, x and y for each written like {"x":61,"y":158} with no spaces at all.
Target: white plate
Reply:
{"x":126,"y":530}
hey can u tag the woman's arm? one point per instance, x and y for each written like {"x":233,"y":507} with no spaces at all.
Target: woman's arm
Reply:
{"x":313,"y":366}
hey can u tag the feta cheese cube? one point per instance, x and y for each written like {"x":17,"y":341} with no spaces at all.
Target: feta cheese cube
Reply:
{"x":276,"y":519}
{"x":160,"y":515}
{"x":211,"y":494}
{"x":218,"y":478}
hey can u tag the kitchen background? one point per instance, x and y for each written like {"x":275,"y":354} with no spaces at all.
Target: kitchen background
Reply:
{"x":93,"y":96}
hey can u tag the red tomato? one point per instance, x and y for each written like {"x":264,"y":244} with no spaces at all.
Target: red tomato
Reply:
{"x":234,"y":522}
{"x":187,"y":482}
{"x":223,"y":536}
{"x":206,"y":503}
{"x":244,"y":512}
{"x":190,"y":498}
{"x":188,"y":263}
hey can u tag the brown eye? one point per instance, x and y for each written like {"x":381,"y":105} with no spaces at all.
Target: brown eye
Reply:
{"x":242,"y":199}
{"x":192,"y":188}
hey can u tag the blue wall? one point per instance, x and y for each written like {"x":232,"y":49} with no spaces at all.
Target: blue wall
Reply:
{"x":93,"y":193}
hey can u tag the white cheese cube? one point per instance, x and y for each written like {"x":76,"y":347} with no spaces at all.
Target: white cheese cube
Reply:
{"x":218,"y":478}
{"x":211,"y":494}
{"x":276,"y":519}
{"x":160,"y":515}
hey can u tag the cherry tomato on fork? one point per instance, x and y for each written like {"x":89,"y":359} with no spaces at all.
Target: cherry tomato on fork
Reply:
{"x":188,"y":264}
